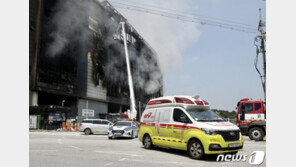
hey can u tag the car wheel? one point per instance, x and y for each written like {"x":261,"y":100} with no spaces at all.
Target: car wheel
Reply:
{"x":109,"y":137}
{"x":147,"y":142}
{"x":195,"y":149}
{"x":87,"y":131}
{"x":256,"y":134}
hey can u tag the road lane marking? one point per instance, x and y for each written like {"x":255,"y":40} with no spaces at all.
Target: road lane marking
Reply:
{"x":122,"y":159}
{"x":60,"y":141}
{"x":108,"y":164}
{"x":75,"y":147}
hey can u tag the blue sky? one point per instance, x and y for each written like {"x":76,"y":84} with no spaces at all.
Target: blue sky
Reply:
{"x":216,"y":63}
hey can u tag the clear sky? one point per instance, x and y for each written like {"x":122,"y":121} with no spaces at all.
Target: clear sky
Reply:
{"x":215,"y":63}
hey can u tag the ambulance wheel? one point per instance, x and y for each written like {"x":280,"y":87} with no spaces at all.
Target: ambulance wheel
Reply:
{"x":256,"y":134}
{"x":87,"y":131}
{"x":147,"y":142}
{"x":195,"y":149}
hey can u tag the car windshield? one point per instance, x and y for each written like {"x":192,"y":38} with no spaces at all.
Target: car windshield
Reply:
{"x":205,"y":115}
{"x":122,"y":124}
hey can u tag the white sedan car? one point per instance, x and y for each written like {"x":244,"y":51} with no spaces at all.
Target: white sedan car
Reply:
{"x":95,"y":126}
{"x":123,"y":129}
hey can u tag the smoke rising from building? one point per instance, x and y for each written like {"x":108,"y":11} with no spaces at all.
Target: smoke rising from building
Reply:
{"x":69,"y":24}
{"x":170,"y":38}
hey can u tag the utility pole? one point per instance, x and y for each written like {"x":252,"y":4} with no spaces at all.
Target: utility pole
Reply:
{"x":261,"y":49}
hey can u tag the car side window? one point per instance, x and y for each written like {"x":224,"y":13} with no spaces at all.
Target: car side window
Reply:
{"x":178,"y":115}
{"x":247,"y":107}
{"x":97,"y":121}
{"x":257,"y":106}
{"x":105,"y":122}
{"x":87,"y":121}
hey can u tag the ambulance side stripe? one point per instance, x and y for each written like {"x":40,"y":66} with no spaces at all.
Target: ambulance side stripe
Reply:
{"x":181,"y":127}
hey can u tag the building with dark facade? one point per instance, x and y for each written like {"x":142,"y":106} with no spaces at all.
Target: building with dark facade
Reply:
{"x":75,"y":62}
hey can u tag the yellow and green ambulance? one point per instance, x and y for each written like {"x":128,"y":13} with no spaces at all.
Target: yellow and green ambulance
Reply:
{"x":187,"y":123}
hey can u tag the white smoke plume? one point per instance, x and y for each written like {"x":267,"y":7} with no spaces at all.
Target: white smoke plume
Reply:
{"x":69,"y":24}
{"x":169,"y":37}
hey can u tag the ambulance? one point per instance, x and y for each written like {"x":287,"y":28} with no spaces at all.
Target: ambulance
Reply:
{"x":187,"y":123}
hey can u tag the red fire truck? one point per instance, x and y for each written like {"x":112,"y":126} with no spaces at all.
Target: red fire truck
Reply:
{"x":251,"y":118}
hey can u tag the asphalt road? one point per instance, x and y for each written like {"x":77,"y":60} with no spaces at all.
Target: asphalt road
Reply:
{"x":74,"y":149}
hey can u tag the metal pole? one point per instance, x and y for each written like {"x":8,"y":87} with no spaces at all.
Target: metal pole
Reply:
{"x":35,"y":59}
{"x":263,"y":51}
{"x":133,"y":112}
{"x":264,"y":67}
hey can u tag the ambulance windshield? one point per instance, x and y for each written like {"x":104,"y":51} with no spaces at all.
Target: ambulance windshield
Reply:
{"x":205,"y":115}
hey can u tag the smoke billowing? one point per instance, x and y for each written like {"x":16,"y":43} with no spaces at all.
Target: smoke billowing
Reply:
{"x":71,"y":23}
{"x":169,"y":37}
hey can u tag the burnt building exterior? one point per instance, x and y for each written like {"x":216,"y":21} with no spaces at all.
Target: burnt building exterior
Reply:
{"x":75,"y":62}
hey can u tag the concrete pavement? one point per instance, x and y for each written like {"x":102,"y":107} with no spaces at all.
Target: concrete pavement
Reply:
{"x":53,"y":149}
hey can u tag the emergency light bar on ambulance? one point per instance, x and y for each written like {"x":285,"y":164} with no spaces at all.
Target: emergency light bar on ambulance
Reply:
{"x":180,"y":101}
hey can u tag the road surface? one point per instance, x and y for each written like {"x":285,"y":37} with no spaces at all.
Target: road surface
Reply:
{"x":74,"y":149}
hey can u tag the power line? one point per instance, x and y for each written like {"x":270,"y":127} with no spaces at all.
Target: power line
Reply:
{"x":202,"y":21}
{"x":187,"y":15}
{"x":131,"y":3}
